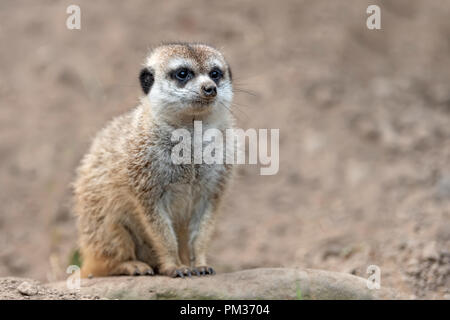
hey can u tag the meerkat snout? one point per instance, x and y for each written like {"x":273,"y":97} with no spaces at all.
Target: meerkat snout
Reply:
{"x":209,"y":91}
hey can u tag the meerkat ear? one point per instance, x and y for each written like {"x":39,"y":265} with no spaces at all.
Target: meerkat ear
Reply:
{"x":229,"y":73}
{"x":146,"y":78}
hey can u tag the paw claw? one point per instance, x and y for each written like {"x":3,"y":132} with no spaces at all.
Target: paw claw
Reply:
{"x":136,"y":272}
{"x":131,"y":268}
{"x":204,"y":270}
{"x":178,"y":273}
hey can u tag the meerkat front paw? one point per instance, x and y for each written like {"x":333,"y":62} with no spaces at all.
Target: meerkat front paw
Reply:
{"x":133,"y":268}
{"x":177,"y":271}
{"x":204,"y":270}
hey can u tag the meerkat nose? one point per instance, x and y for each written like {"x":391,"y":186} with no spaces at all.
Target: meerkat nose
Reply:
{"x":209,"y":91}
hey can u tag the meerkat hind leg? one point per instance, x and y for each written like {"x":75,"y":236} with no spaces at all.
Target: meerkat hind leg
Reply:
{"x":120,"y":259}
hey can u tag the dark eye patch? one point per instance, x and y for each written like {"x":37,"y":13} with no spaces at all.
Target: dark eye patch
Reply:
{"x":216,"y":74}
{"x":182,"y":74}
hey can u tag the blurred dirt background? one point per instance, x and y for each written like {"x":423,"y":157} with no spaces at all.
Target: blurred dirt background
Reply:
{"x":364,"y":119}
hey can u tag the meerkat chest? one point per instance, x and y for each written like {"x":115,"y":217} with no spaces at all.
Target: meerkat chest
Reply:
{"x":184,"y":186}
{"x":181,"y":198}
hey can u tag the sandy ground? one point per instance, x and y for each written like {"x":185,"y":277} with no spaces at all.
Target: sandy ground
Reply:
{"x":12,"y":288}
{"x":364,"y":119}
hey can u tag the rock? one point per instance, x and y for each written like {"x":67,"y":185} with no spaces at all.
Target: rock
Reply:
{"x":264,"y":283}
{"x":27,"y":289}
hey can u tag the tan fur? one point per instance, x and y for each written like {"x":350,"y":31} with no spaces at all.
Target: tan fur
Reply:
{"x":136,"y":210}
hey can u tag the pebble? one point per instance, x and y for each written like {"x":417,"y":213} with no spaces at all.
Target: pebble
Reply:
{"x":27,"y":289}
{"x":430,"y":251}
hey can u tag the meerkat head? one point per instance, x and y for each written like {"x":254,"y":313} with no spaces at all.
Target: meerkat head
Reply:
{"x":191,"y":79}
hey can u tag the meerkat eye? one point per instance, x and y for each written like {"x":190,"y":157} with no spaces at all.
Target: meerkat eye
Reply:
{"x":215,"y":74}
{"x":183,"y":74}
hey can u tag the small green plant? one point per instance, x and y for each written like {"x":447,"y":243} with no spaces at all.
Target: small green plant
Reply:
{"x":299,"y":292}
{"x":75,"y":258}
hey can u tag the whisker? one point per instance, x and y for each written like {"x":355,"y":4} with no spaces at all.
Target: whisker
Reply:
{"x":235,"y":104}
{"x":228,"y":109}
{"x":234,"y":114}
{"x":249,"y":92}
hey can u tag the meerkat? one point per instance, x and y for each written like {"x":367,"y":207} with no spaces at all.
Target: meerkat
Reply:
{"x":138,"y":212}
